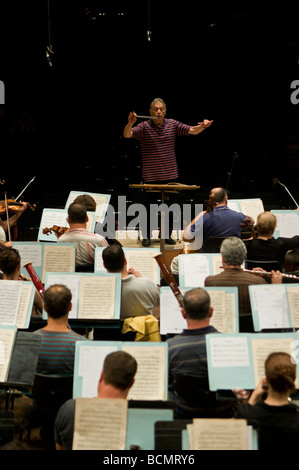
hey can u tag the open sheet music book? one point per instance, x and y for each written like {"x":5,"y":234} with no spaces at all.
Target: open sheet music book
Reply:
{"x":251,"y":207}
{"x":221,"y":434}
{"x":151,"y":380}
{"x":94,"y":296}
{"x":47,"y":257}
{"x":100,"y":424}
{"x":16,"y":302}
{"x":275,"y":306}
{"x":7,"y":341}
{"x":224,"y":300}
{"x":194,"y":268}
{"x":141,"y":259}
{"x":287,"y":223}
{"x":237,"y":361}
{"x":102,"y":202}
{"x":51,"y":217}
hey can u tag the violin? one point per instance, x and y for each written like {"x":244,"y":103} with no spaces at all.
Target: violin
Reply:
{"x":56,"y":229}
{"x":13,"y":206}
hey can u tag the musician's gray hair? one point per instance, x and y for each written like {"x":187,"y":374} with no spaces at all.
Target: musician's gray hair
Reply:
{"x":158,"y":100}
{"x":233,"y":251}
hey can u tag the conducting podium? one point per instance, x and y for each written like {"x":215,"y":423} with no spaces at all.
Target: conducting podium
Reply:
{"x":164,"y":189}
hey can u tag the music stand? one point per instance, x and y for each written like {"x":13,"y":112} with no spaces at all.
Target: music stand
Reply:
{"x":163,"y":189}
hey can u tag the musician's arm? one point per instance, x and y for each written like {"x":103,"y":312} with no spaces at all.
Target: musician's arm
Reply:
{"x":189,"y":236}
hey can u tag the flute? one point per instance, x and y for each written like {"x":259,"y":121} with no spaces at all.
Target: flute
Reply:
{"x":292,"y":276}
{"x":35,"y":279}
{"x":170,"y":279}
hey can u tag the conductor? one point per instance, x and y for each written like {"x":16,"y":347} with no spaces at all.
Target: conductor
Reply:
{"x":157,"y":137}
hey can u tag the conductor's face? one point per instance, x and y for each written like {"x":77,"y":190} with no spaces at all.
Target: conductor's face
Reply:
{"x":158,"y":111}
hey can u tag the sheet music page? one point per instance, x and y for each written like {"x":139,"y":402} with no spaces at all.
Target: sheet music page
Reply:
{"x":233,"y":205}
{"x":287,"y":224}
{"x":98,"y":261}
{"x":271,"y":304}
{"x":90,"y":366}
{"x":218,"y":302}
{"x":52,"y":217}
{"x":7,"y":337}
{"x":261,"y":348}
{"x":293,"y":298}
{"x":171,"y":319}
{"x":59,"y":258}
{"x":97,"y":297}
{"x":150,"y":377}
{"x":217,"y":264}
{"x":143,"y":261}
{"x":100,"y":199}
{"x":229,"y":351}
{"x":10,"y":296}
{"x":27,"y":289}
{"x":100,"y":424}
{"x":31,"y":252}
{"x":70,"y":281}
{"x":231,"y":313}
{"x":251,"y":207}
{"x":219,"y":434}
{"x":196,"y":268}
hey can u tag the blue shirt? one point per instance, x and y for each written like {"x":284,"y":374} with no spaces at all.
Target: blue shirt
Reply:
{"x":221,"y":222}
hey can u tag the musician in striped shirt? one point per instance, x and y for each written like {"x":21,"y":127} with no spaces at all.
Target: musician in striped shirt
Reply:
{"x":157,"y":138}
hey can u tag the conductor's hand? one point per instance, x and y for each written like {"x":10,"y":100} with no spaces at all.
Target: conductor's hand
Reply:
{"x":132,"y":118}
{"x":205,"y":123}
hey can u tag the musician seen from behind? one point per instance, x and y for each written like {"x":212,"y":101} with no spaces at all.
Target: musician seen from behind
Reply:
{"x":217,"y":221}
{"x":86,"y":242}
{"x":187,"y":351}
{"x":234,"y":253}
{"x":157,"y":137}
{"x":267,"y":248}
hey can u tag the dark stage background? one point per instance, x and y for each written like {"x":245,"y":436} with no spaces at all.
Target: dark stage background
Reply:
{"x":232,"y":62}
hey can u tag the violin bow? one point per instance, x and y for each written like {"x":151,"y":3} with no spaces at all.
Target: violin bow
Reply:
{"x":25,"y":188}
{"x":7,"y":216}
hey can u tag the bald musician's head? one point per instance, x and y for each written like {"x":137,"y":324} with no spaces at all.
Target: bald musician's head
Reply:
{"x":219,"y":196}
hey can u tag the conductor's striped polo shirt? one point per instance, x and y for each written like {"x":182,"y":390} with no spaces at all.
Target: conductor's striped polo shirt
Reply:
{"x":157,"y":146}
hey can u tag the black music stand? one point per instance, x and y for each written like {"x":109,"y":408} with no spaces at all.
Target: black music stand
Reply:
{"x":173,"y":188}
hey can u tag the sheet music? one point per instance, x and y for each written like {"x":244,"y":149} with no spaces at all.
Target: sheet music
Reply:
{"x":270,"y":303}
{"x":90,"y":366}
{"x":30,"y":252}
{"x":224,"y":317}
{"x":261,"y":348}
{"x":219,"y":434}
{"x":229,"y":351}
{"x":293,"y":298}
{"x":100,"y":424}
{"x":58,"y":258}
{"x":10,"y":296}
{"x":72,"y":282}
{"x":287,"y":223}
{"x":251,"y":207}
{"x":144,"y":262}
{"x":7,"y":338}
{"x":101,"y":200}
{"x":195,"y":268}
{"x":97,"y":297}
{"x":24,"y":303}
{"x":150,"y":377}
